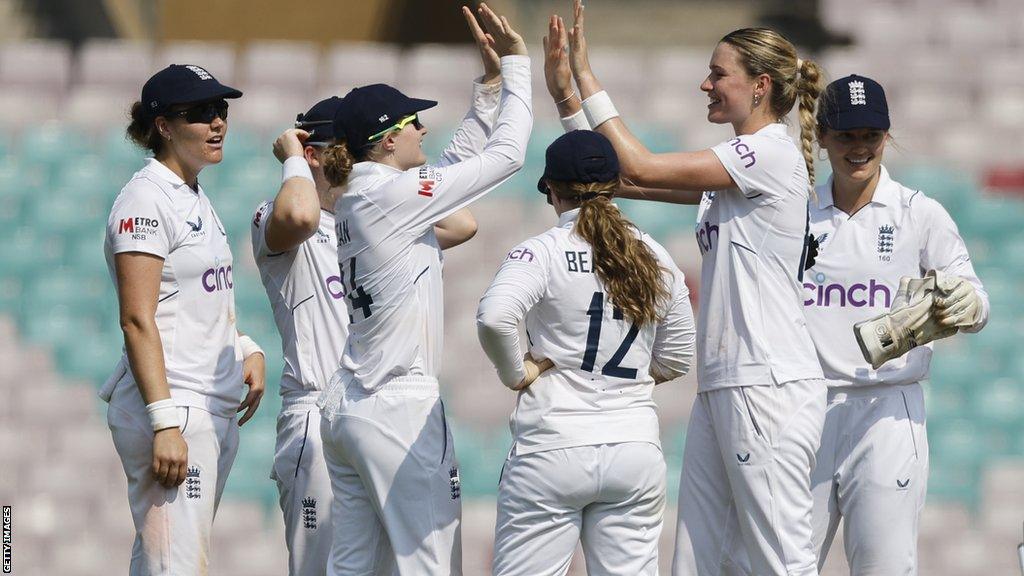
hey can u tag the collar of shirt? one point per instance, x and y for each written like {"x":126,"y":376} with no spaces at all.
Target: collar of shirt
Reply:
{"x":565,"y":219}
{"x":885,"y":191}
{"x":369,"y":167}
{"x":161,"y":171}
{"x":774,"y":129}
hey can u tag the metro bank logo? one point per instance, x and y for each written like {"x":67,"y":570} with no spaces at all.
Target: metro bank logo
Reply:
{"x":139,"y":227}
{"x":874,"y":294}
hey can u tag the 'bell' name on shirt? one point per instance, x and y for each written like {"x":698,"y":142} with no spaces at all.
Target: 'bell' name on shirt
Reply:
{"x":578,"y":262}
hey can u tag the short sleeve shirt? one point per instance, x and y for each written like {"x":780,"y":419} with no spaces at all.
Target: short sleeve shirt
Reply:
{"x":157,"y":213}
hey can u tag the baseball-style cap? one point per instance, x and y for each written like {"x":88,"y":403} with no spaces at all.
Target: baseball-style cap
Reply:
{"x":579,"y":156}
{"x":319,"y":120}
{"x":368,"y":110}
{"x":853,"y":102}
{"x":182,"y":84}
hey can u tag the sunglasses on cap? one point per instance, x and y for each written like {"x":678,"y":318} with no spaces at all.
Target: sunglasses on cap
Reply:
{"x":202,"y":113}
{"x":410,"y":119}
{"x":310,"y":126}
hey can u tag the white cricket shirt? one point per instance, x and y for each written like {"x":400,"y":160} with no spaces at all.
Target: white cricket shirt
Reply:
{"x":861,"y":259}
{"x":157,"y":213}
{"x":750,"y":326}
{"x":600,"y":388}
{"x":389,"y":257}
{"x":307,"y":297}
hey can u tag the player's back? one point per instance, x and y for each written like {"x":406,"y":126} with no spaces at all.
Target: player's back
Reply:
{"x":600,"y":390}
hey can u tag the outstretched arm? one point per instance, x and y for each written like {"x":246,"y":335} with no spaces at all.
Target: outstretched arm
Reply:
{"x":456,"y":229}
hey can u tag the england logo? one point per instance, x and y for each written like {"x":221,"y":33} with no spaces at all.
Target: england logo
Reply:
{"x":456,"y":485}
{"x":885,"y":240}
{"x":857,"y":95}
{"x":193,"y":486}
{"x":309,"y":513}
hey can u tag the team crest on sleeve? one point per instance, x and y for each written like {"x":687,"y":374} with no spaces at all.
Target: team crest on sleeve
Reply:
{"x":429,"y":178}
{"x":886,"y":240}
{"x":309,"y":513}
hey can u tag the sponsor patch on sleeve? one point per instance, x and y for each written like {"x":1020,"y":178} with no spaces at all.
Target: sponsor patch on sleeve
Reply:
{"x":744,"y":151}
{"x":137,"y":227}
{"x":261,"y":212}
{"x":521,"y":254}
{"x":429,"y":178}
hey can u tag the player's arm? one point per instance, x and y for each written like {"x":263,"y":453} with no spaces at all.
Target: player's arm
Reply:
{"x":960,"y":299}
{"x":471,"y":136}
{"x":695,"y":171}
{"x":254,"y":374}
{"x":138,"y":288}
{"x":296,"y":213}
{"x":516,"y":288}
{"x":456,"y":229}
{"x":676,"y":334}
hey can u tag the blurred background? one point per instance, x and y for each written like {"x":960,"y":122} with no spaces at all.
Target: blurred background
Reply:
{"x":69,"y":69}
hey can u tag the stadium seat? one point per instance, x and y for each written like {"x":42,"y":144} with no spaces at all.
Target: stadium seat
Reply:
{"x":217,"y":58}
{"x":350,"y":65}
{"x":280,"y":65}
{"x":115,"y":64}
{"x":40,"y":66}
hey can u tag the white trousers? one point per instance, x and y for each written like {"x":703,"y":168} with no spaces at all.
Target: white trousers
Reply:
{"x":610,"y":496}
{"x":305,"y":490}
{"x":872,"y":473}
{"x":397,"y":497}
{"x":745,"y":494}
{"x":172,"y":525}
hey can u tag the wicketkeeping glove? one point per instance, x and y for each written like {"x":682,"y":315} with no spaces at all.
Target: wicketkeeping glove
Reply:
{"x":956,"y":301}
{"x":909,"y":323}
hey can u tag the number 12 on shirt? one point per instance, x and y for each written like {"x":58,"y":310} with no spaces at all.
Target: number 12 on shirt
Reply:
{"x":612,"y":368}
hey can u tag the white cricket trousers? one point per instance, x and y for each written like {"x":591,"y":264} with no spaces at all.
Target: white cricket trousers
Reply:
{"x":397,"y":495}
{"x":745,"y":493}
{"x":172,"y":525}
{"x":609,"y":496}
{"x":872,"y":473}
{"x":304,"y":488}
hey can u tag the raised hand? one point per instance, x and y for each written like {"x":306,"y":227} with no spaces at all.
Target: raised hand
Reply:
{"x":506,"y":40}
{"x":485,"y":42}
{"x":578,"y":59}
{"x":557,"y":74}
{"x":290,"y":143}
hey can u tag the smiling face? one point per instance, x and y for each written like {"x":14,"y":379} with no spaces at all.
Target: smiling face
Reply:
{"x":854,"y":154}
{"x":407,"y":146}
{"x":729,"y":87}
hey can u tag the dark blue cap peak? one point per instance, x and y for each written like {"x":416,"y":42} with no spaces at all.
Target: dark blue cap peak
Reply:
{"x":182,"y":84}
{"x":581,"y":156}
{"x":368,"y":110}
{"x":853,"y":102}
{"x":319,"y":120}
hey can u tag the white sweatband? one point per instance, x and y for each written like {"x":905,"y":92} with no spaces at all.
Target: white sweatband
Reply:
{"x":577,"y":121}
{"x":249,"y":347}
{"x":599,"y":109}
{"x":163,"y":414}
{"x":296,"y":167}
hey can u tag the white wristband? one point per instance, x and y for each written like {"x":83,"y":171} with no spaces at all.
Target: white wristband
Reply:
{"x":296,"y":167}
{"x":599,"y":109}
{"x":249,"y":347}
{"x":577,"y":121}
{"x":163,"y":414}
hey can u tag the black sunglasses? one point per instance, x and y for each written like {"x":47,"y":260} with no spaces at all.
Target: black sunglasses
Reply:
{"x":203,"y":113}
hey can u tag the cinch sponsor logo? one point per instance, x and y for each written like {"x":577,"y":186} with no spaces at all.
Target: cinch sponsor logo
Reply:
{"x":335,"y":287}
{"x":523,"y":254}
{"x":218,"y":278}
{"x":137,"y":224}
{"x":875,"y":294}
{"x":705,"y":241}
{"x":744,"y":152}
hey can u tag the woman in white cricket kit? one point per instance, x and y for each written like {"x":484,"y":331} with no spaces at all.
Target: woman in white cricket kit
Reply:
{"x":744,"y":496}
{"x":177,"y":388}
{"x":386,"y":441}
{"x":872,"y":466}
{"x":295,"y":248}
{"x":609,"y":313}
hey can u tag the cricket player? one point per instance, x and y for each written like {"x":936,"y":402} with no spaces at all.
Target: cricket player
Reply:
{"x":386,"y":441}
{"x":872,"y":465}
{"x":744,"y":496}
{"x":608,"y":316}
{"x":175,"y":393}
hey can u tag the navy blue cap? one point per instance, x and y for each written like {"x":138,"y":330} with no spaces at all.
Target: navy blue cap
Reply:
{"x":581,"y":156}
{"x":319,"y":120}
{"x":368,"y":110}
{"x":853,"y":102}
{"x":182,"y":84}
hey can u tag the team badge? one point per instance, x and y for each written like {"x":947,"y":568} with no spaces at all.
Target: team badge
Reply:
{"x":456,"y":485}
{"x":309,"y":513}
{"x":193,"y":484}
{"x":886,"y":239}
{"x":857,"y":94}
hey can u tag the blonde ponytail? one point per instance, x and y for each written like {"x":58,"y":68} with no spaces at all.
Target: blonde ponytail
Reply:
{"x":809,"y":86}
